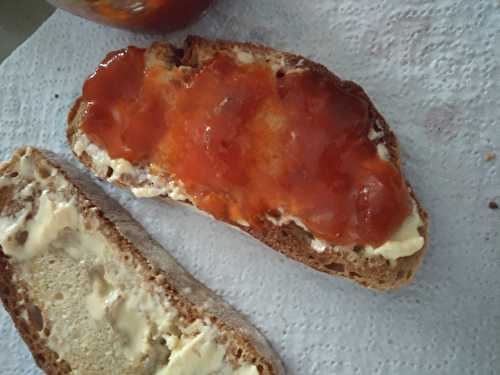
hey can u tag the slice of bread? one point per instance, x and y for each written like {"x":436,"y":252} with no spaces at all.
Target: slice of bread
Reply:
{"x":91,"y":293}
{"x":390,"y":266}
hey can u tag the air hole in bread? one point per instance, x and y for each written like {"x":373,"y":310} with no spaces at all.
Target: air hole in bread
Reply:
{"x":21,"y":237}
{"x":238,"y":353}
{"x":354,"y":274}
{"x":43,"y":173}
{"x":176,"y":331}
{"x":400,"y":274}
{"x":336,"y":267}
{"x":6,"y":193}
{"x":178,"y":55}
{"x":109,"y":172}
{"x":35,"y":317}
{"x":58,"y":296}
{"x":357,"y":249}
{"x":13,"y":175}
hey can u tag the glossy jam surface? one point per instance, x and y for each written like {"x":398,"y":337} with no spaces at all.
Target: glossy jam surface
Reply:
{"x":248,"y":143}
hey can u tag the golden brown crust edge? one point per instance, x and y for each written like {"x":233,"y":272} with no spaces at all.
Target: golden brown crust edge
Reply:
{"x":156,"y":264}
{"x":374,"y":271}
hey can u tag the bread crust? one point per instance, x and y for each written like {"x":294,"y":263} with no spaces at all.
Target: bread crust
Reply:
{"x":291,"y":240}
{"x":191,"y":298}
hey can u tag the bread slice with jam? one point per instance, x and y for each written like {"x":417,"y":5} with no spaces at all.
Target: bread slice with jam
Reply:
{"x":91,"y":293}
{"x":264,"y":140}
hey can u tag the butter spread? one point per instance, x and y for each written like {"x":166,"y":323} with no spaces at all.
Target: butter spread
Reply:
{"x":102,"y":161}
{"x":148,"y":185}
{"x":283,"y":219}
{"x":382,"y":151}
{"x":142,"y":316}
{"x":406,"y":241}
{"x":374,"y":134}
{"x":243,"y":56}
{"x":45,"y":227}
{"x":319,"y":245}
{"x":200,"y":354}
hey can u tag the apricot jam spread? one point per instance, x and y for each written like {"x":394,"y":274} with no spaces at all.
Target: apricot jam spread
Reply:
{"x":248,"y":143}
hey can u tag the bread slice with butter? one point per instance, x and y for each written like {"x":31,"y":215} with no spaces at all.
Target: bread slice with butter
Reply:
{"x":245,"y":125}
{"x":91,"y":293}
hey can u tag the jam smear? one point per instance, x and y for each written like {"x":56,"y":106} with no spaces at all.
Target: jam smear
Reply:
{"x":247,"y":143}
{"x":125,"y":109}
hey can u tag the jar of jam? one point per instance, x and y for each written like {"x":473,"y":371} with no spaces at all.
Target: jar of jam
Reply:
{"x":145,"y":15}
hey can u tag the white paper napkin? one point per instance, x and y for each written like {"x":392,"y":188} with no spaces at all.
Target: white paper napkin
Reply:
{"x":432,"y":68}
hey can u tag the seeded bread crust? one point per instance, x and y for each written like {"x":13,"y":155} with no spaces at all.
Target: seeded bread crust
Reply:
{"x":291,"y":240}
{"x":191,"y":298}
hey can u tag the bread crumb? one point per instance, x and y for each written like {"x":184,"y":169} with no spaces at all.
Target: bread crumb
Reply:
{"x":493,"y":205}
{"x":489,"y":156}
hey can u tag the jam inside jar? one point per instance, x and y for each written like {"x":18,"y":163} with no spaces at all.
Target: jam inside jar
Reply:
{"x":146,"y":15}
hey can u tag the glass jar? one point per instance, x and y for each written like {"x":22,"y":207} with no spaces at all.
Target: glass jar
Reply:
{"x":146,"y":15}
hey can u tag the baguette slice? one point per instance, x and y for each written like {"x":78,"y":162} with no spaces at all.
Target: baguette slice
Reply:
{"x":91,"y":293}
{"x":389,"y":268}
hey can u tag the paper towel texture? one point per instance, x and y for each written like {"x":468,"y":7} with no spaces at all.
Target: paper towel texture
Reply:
{"x":432,"y":68}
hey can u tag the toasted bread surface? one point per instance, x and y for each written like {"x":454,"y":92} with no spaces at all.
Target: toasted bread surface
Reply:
{"x":48,"y":295}
{"x":373,"y":271}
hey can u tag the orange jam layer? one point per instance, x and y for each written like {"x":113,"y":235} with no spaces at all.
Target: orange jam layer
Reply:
{"x":248,"y":143}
